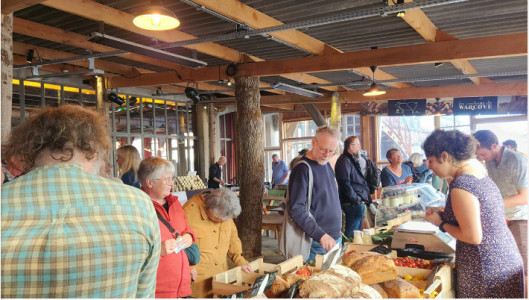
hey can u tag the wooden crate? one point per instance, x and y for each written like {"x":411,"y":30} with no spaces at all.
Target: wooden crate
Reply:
{"x":235,"y":280}
{"x":350,"y":247}
{"x":442,"y":284}
{"x":292,"y":265}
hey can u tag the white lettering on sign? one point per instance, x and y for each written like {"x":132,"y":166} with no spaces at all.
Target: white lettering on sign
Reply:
{"x":476,"y":105}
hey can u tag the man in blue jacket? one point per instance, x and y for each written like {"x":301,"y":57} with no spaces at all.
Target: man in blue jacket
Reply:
{"x":352,"y":185}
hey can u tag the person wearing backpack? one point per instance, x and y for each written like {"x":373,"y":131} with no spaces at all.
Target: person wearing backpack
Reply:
{"x":351,"y":171}
{"x":322,"y":220}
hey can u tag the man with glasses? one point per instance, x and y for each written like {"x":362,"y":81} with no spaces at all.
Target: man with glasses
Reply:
{"x":353,"y":187}
{"x":325,"y":224}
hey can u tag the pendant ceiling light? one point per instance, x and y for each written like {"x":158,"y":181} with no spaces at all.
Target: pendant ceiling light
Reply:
{"x":373,"y":90}
{"x":156,"y":17}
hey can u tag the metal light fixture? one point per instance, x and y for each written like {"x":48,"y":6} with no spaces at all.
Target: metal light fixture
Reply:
{"x":113,"y":97}
{"x":29,"y":57}
{"x":373,"y":90}
{"x":438,"y":64}
{"x":156,"y":17}
{"x":296,"y":90}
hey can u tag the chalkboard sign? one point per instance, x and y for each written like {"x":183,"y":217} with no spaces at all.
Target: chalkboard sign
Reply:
{"x":414,"y":107}
{"x":271,"y":278}
{"x":475,"y":106}
{"x":293,"y":290}
{"x":259,"y":285}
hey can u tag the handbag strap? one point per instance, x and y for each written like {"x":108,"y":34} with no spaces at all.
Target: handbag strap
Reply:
{"x":309,"y":195}
{"x":173,"y":231}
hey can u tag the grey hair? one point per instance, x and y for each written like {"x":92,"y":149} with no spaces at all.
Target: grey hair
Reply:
{"x":153,"y":168}
{"x":326,"y":129}
{"x":223,"y":203}
{"x":416,"y":159}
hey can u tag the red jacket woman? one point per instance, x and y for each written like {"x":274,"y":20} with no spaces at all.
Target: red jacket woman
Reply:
{"x":173,"y":279}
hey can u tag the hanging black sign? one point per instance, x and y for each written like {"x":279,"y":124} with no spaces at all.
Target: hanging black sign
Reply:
{"x":475,"y":106}
{"x":416,"y":107}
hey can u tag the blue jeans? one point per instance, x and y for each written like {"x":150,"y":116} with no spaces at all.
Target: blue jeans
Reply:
{"x":353,"y":218}
{"x":316,"y":248}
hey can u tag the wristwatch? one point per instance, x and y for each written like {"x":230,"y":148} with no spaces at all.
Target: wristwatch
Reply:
{"x":441,"y":226}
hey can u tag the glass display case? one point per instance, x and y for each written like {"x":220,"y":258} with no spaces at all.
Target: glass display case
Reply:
{"x":414,"y":198}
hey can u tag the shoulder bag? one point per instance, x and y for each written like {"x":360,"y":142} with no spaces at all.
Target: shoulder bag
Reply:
{"x":294,"y":241}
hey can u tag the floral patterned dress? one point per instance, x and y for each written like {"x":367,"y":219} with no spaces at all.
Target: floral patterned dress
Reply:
{"x":494,"y":268}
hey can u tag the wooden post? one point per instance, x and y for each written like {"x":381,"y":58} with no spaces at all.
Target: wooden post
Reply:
{"x":336,"y":116}
{"x":7,"y":74}
{"x":101,"y":93}
{"x":213,"y":140}
{"x":203,"y":141}
{"x":251,"y":173}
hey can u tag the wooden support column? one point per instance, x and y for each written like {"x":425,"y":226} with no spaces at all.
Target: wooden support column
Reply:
{"x":203,"y":141}
{"x":182,"y":160}
{"x":336,"y":117}
{"x":101,"y":93}
{"x":7,"y":74}
{"x":213,"y":140}
{"x":251,"y":172}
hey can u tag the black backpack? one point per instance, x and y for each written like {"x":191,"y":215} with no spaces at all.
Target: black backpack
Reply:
{"x":372,"y":175}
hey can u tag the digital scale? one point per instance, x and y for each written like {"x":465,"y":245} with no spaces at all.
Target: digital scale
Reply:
{"x":423,"y":235}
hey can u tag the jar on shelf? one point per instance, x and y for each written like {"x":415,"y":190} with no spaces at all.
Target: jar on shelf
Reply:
{"x":357,"y":238}
{"x":366,"y":237}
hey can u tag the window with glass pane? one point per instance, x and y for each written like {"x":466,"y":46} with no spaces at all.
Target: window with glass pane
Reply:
{"x":293,"y":147}
{"x":404,"y":133}
{"x":352,"y":125}
{"x":300,"y":129}
{"x":452,"y":122}
{"x":271,"y":130}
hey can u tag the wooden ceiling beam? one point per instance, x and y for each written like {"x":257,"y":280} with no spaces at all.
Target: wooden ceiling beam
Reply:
{"x":58,"y":68}
{"x":419,"y":21}
{"x":243,"y":13}
{"x":281,"y":100}
{"x":482,"y":90}
{"x":10,"y":6}
{"x":494,"y":46}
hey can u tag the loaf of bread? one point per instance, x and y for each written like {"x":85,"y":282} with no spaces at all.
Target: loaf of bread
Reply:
{"x":399,"y":288}
{"x":375,"y":269}
{"x":380,"y":290}
{"x":366,"y":292}
{"x":352,"y":258}
{"x":324,"y":285}
{"x":351,"y":277}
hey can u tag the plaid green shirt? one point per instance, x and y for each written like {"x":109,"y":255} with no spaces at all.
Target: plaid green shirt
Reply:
{"x":67,"y":233}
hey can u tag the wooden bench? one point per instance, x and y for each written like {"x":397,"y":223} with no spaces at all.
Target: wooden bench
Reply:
{"x":272,"y":220}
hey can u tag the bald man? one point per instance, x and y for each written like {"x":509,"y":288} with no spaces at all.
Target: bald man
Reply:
{"x":215,"y":174}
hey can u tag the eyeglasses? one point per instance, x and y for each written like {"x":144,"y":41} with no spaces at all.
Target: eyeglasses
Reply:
{"x":167,"y":180}
{"x":324,"y":150}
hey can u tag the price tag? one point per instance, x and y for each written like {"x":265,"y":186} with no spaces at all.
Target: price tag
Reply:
{"x":271,"y":278}
{"x":293,"y":290}
{"x":259,"y":286}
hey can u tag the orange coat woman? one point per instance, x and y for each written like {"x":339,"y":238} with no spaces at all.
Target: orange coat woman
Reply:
{"x":211,"y":214}
{"x":173,"y":278}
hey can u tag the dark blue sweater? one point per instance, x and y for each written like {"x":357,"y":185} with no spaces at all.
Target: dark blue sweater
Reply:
{"x":325,"y":205}
{"x":130,"y":178}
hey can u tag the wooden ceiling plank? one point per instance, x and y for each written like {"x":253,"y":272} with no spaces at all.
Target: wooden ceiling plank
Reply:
{"x":482,"y":90}
{"x":475,"y":48}
{"x":419,"y":21}
{"x":10,"y":6}
{"x":58,"y":68}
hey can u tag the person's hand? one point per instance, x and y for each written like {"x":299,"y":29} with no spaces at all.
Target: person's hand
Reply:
{"x":327,"y":242}
{"x":168,"y":246}
{"x":409,"y":179}
{"x":222,"y":182}
{"x":186,"y":239}
{"x":194,"y":274}
{"x":247,"y":268}
{"x":433,"y":217}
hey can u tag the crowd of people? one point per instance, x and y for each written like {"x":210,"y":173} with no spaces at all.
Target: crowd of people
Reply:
{"x":68,"y":231}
